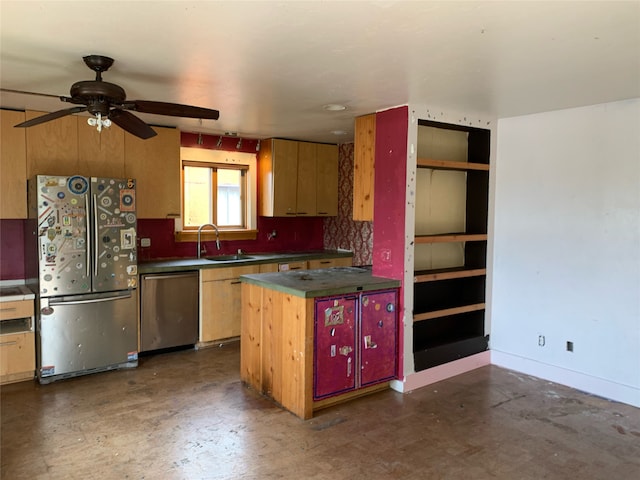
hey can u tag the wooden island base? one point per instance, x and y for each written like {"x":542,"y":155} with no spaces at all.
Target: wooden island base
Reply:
{"x":277,"y":343}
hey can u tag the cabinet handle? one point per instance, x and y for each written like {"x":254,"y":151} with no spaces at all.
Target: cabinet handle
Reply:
{"x":6,"y":344}
{"x":235,"y":283}
{"x":324,"y":262}
{"x":349,"y":367}
{"x":323,"y":213}
{"x":295,"y":268}
{"x":8,"y":309}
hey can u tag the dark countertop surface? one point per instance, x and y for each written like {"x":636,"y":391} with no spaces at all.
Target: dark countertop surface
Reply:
{"x":185,"y":264}
{"x":322,"y":282}
{"x":14,"y":293}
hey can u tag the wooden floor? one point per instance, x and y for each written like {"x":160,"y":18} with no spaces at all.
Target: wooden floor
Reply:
{"x":186,"y":415}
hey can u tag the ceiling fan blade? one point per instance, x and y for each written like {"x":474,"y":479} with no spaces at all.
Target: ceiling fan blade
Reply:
{"x":132,"y":124}
{"x":22,"y":92}
{"x":51,"y":116}
{"x":172,"y":109}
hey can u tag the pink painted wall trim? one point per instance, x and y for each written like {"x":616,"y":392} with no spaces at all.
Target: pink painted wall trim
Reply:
{"x":442,"y":372}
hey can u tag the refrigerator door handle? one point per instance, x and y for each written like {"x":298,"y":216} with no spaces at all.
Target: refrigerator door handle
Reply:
{"x":92,"y":300}
{"x":88,"y":245}
{"x":95,"y":234}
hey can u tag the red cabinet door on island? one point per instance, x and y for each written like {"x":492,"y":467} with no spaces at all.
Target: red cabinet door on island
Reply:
{"x":355,"y":342}
{"x":335,"y":352}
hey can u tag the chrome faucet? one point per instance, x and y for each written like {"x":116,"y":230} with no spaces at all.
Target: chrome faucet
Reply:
{"x":200,"y":232}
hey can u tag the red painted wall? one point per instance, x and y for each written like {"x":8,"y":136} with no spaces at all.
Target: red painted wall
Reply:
{"x":392,"y":129}
{"x":11,"y":249}
{"x":390,"y":187}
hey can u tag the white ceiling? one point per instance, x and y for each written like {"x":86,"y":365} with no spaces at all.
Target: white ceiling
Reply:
{"x":269,"y":66}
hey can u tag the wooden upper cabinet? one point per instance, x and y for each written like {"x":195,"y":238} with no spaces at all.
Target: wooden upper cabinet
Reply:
{"x":278,"y":174}
{"x":364,"y":167}
{"x":13,"y":166}
{"x":155,"y":165}
{"x":297,"y":179}
{"x":52,"y":147}
{"x":100,"y":154}
{"x":327,"y":180}
{"x":306,"y":180}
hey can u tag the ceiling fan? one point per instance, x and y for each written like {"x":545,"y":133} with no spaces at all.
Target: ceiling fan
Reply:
{"x":107,"y":103}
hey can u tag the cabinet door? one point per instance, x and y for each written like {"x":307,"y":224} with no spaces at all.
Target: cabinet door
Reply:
{"x":285,"y":175}
{"x":17,"y":357}
{"x":221,"y":310}
{"x":306,"y":183}
{"x":327,"y":180}
{"x":101,"y":154}
{"x":221,"y":302}
{"x":378,"y":317}
{"x":52,"y":147}
{"x":335,"y":346}
{"x":155,"y":165}
{"x":13,"y":166}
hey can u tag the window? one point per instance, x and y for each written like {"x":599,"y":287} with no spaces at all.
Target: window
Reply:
{"x":214,"y":193}
{"x":218,"y":187}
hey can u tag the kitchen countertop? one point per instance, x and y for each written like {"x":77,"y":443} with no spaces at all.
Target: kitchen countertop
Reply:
{"x":15,"y":293}
{"x":323,"y":282}
{"x":184,"y":264}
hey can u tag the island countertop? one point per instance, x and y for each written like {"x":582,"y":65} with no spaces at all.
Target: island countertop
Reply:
{"x":321,"y":283}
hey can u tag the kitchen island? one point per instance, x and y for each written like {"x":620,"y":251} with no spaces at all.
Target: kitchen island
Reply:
{"x":314,"y":338}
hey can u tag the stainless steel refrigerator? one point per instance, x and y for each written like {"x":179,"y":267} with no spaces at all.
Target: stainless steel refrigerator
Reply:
{"x":81,"y":261}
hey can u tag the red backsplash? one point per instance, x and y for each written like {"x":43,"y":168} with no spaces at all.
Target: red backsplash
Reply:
{"x":11,"y":249}
{"x":293,"y":234}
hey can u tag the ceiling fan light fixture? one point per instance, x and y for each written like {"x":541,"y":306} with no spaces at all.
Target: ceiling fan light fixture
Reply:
{"x":99,"y":122}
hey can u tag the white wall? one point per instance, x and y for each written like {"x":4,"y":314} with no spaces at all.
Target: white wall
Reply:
{"x":567,"y":248}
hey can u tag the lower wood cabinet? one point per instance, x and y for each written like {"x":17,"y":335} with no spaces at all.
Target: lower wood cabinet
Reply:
{"x":220,"y":302}
{"x":17,"y":341}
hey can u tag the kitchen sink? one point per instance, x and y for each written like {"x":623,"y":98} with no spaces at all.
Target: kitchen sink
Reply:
{"x":230,"y":258}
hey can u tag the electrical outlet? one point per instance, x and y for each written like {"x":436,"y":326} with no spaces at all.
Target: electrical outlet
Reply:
{"x":541,"y":340}
{"x":569,"y":346}
{"x":145,"y":242}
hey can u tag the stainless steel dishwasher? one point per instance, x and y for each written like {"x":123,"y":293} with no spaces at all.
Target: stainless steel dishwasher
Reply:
{"x":169,"y":310}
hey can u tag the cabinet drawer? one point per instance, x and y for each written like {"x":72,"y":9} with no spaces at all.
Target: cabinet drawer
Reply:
{"x":17,"y":355}
{"x":330,"y":262}
{"x":16,"y":309}
{"x":210,"y":274}
{"x":284,"y":267}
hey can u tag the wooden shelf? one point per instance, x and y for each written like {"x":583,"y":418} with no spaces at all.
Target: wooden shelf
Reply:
{"x":451,"y":237}
{"x":447,"y":274}
{"x":449,"y":165}
{"x":448,"y":312}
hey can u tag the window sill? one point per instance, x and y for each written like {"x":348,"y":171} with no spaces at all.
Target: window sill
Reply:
{"x":209,"y":235}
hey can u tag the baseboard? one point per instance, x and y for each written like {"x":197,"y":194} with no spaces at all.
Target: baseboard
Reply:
{"x":441,"y":372}
{"x":580,"y":381}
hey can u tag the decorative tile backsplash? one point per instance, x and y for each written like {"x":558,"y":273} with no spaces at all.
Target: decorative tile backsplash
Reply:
{"x":342,"y":231}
